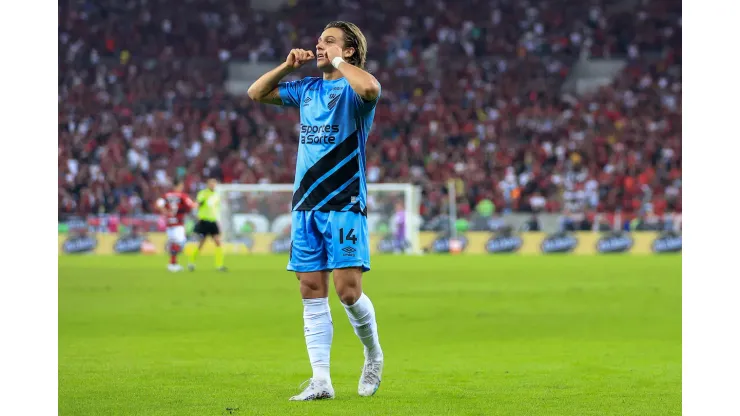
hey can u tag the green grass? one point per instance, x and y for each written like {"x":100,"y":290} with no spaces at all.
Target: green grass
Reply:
{"x":464,"y":335}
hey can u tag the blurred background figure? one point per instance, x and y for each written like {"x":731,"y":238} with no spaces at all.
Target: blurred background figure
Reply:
{"x":399,"y":228}
{"x":535,"y":106}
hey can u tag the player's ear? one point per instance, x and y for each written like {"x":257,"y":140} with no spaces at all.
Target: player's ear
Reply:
{"x":348,"y":52}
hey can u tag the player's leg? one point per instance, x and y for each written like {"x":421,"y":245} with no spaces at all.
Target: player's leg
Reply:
{"x":349,"y":256}
{"x":175,"y":243}
{"x":198,"y":230}
{"x":308,"y":260}
{"x":215,"y":233}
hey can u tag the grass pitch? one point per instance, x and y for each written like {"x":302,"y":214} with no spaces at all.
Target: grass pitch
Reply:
{"x":464,"y":335}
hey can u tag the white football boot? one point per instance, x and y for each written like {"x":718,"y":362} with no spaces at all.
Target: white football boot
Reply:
{"x":316,"y":390}
{"x":174,"y":268}
{"x":372,"y":373}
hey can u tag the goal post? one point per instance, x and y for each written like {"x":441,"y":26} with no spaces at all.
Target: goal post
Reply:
{"x":263,"y":212}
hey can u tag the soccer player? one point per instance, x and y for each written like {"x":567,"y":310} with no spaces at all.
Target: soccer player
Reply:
{"x":329,"y":220}
{"x":174,"y":205}
{"x":207,"y":225}
{"x":399,"y":228}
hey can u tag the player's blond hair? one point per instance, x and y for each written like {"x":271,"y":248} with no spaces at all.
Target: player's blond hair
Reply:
{"x":353,"y":38}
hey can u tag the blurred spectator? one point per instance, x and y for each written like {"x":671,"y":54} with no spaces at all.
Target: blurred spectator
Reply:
{"x":471,"y":91}
{"x":533,"y":224}
{"x":647,"y":221}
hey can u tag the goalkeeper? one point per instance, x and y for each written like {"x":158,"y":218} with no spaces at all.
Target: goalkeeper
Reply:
{"x":207,"y":225}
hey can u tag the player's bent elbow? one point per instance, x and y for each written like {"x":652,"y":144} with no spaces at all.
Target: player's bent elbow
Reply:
{"x":371,"y":91}
{"x":253,"y":93}
{"x":271,"y":97}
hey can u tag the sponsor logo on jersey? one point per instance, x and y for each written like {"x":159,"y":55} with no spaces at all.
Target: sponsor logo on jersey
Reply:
{"x":615,"y":243}
{"x":504,"y":243}
{"x":79,"y":244}
{"x":333,"y":102}
{"x":324,"y":134}
{"x":559,"y":243}
{"x":669,"y":242}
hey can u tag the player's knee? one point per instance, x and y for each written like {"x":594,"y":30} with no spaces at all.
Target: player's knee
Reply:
{"x":312,"y":285}
{"x":350,"y":295}
{"x":309,"y":285}
{"x":175,"y":248}
{"x":348,"y":285}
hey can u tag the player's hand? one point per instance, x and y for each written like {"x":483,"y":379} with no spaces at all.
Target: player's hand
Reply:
{"x":332,"y":52}
{"x":298,"y":57}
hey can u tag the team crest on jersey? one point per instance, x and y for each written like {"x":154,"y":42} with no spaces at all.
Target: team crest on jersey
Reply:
{"x":333,"y":102}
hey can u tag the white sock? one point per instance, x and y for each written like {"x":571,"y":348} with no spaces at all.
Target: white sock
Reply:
{"x":318,"y":330}
{"x":362,"y":317}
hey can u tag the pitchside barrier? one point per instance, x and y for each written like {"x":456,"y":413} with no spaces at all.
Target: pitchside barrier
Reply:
{"x":528,"y":243}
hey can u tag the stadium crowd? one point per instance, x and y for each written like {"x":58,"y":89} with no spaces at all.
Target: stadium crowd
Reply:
{"x":471,"y":91}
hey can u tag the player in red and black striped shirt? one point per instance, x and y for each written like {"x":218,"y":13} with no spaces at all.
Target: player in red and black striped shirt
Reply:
{"x":174,"y":205}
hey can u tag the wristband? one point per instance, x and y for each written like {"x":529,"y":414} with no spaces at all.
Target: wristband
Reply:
{"x":336,"y":61}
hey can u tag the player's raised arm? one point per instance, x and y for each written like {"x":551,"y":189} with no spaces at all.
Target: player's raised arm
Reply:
{"x":190,"y":205}
{"x":265,"y":89}
{"x":361,"y":81}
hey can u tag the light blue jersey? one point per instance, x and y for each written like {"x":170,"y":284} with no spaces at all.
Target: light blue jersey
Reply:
{"x":335,"y":123}
{"x":329,"y":222}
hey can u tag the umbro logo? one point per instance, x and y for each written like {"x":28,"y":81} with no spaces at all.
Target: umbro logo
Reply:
{"x":306,"y":101}
{"x":333,"y":102}
{"x":349,"y":251}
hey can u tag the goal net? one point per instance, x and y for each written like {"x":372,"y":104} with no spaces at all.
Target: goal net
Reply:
{"x":258,"y":216}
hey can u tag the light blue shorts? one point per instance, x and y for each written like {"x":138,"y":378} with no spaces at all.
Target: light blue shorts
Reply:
{"x":328,"y":241}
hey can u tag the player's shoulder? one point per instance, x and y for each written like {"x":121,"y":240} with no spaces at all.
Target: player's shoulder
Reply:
{"x":311,"y":84}
{"x":310,"y":81}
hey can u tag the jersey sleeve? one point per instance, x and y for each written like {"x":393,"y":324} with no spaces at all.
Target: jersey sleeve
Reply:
{"x":364,"y":106}
{"x":200,"y":198}
{"x":291,"y":92}
{"x":189,"y":202}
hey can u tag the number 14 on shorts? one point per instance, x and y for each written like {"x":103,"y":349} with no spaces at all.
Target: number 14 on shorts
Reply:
{"x":349,"y":236}
{"x":347,"y":251}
